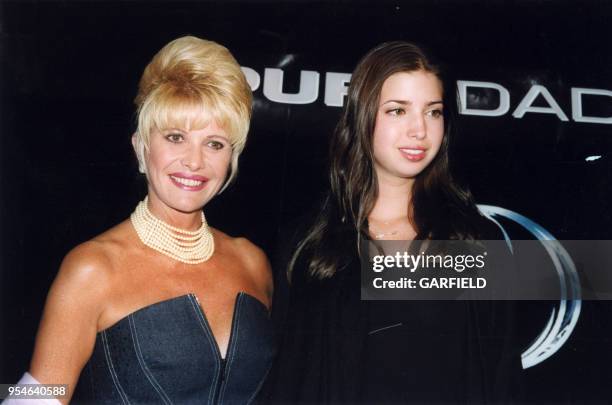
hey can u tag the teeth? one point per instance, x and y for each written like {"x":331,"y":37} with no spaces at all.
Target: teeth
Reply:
{"x":413,"y":151}
{"x":187,"y":182}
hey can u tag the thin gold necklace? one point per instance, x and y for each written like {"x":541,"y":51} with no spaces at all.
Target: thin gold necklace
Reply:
{"x":379,"y":234}
{"x":190,"y":247}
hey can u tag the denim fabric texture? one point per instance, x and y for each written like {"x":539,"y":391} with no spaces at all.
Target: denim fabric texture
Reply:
{"x":165,"y":353}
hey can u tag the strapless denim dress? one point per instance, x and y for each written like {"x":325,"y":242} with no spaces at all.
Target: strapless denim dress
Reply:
{"x":166,"y":353}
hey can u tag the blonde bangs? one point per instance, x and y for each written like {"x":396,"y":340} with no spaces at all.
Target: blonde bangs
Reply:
{"x":169,"y":107}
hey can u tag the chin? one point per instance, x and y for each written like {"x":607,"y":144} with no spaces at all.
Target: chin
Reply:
{"x":411,"y":173}
{"x":188,"y":205}
{"x":190,"y":209}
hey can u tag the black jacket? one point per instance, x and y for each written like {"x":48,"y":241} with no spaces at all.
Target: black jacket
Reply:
{"x":336,"y":348}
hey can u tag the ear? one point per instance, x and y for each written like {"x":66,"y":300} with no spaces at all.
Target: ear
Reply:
{"x":139,"y":151}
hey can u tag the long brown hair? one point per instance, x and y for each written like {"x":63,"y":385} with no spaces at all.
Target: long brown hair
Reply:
{"x":440,"y":208}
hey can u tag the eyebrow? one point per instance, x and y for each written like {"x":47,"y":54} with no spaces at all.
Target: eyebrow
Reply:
{"x":225,"y":138}
{"x":405,"y":102}
{"x":169,"y":130}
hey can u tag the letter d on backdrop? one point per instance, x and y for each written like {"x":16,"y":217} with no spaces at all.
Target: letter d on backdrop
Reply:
{"x":577,"y":113}
{"x":504,"y":98}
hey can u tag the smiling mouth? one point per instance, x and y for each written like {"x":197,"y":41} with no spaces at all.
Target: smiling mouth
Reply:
{"x":413,"y":155}
{"x":188,"y":184}
{"x":412,"y":151}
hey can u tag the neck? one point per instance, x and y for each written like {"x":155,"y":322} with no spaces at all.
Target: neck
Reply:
{"x":189,"y":221}
{"x":394,"y":198}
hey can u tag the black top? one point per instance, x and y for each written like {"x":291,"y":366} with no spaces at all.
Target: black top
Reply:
{"x":336,"y":348}
{"x":166,"y":353}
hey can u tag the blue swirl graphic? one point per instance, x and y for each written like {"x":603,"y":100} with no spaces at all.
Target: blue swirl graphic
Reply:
{"x":564,"y":317}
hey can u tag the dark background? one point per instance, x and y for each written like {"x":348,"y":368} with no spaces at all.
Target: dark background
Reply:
{"x":69,"y":72}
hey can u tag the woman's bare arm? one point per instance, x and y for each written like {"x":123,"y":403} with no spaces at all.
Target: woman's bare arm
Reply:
{"x":68,"y":327}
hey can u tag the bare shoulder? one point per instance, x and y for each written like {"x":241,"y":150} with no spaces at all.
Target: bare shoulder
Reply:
{"x":82,"y":280}
{"x":91,"y":261}
{"x":240,"y":246}
{"x":251,"y":256}
{"x":77,"y":298}
{"x":88,"y":268}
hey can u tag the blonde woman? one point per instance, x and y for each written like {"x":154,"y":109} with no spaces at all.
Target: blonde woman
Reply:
{"x":163,"y":308}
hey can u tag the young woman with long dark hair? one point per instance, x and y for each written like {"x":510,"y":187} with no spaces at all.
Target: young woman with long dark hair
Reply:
{"x":389,"y":179}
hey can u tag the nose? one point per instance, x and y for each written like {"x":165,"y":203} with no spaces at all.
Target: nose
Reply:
{"x":417,"y":127}
{"x":193,"y":159}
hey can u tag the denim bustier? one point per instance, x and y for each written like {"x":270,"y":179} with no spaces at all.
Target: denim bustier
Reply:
{"x":166,"y":353}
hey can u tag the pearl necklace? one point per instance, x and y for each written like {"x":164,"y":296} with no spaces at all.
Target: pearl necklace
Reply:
{"x":191,"y":247}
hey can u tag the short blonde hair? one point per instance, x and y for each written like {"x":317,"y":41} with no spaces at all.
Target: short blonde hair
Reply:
{"x":188,"y":83}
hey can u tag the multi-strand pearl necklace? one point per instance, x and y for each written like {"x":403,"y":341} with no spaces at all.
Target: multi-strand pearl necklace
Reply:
{"x":191,"y":247}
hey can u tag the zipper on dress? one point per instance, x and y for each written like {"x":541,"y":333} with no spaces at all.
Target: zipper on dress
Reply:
{"x":222,"y":361}
{"x":220,"y":381}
